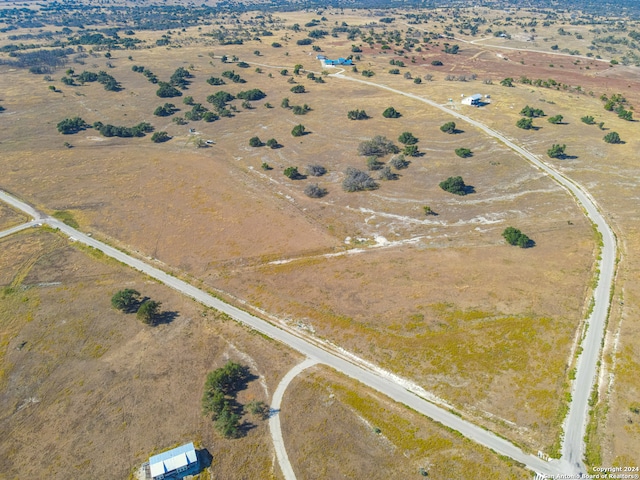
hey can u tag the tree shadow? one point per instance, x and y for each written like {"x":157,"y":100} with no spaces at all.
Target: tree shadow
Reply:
{"x":457,"y":131}
{"x":165,"y":318}
{"x":245,"y":427}
{"x":469,"y":189}
{"x":530,"y":244}
{"x":568,"y":157}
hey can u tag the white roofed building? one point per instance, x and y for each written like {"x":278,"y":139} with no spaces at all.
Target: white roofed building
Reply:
{"x":174,"y":464}
{"x":473,"y":100}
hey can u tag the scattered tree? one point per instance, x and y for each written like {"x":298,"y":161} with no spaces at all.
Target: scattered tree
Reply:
{"x":378,"y":146}
{"x":316,"y":170}
{"x":513,"y":236}
{"x":126,"y":300}
{"x":428,"y":211}
{"x":556,"y":151}
{"x":525,"y":123}
{"x":298,"y":131}
{"x":463,"y":152}
{"x":292,"y":173}
{"x":159,"y":137}
{"x":407,"y":138}
{"x":387,"y":174}
{"x":166,"y":90}
{"x":253,"y":94}
{"x":449,"y":127}
{"x":272,"y":143}
{"x":399,"y":162}
{"x":612,"y":137}
{"x":298,"y":89}
{"x":255,"y":142}
{"x":357,"y":180}
{"x":556,"y":119}
{"x":148,"y":312}
{"x":357,"y":115}
{"x":373,"y":163}
{"x":507,"y":82}
{"x":391,"y":113}
{"x":313,"y":190}
{"x":215,"y":81}
{"x":410,"y":150}
{"x":165,"y":110}
{"x":71,"y":125}
{"x":454,"y":185}
{"x":588,"y":119}
{"x":532,"y":112}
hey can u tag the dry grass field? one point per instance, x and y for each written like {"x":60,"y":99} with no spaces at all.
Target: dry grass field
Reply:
{"x":9,"y":217}
{"x":351,"y":433}
{"x":439,"y":299}
{"x":93,"y":391}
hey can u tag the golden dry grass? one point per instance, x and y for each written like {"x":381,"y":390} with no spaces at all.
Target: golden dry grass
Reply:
{"x":436,"y":311}
{"x":329,"y":425}
{"x":78,"y":375}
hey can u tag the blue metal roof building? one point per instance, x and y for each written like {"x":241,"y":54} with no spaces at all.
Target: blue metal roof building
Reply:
{"x":340,"y":61}
{"x":174,"y":464}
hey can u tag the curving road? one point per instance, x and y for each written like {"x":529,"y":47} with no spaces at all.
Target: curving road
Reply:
{"x":575,"y":425}
{"x":318,"y":352}
{"x":274,"y":418}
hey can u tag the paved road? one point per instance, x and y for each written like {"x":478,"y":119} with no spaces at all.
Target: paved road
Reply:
{"x":274,"y":418}
{"x":576,"y":422}
{"x":18,"y":228}
{"x":321,"y":354}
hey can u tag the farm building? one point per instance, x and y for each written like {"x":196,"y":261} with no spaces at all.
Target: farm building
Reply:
{"x":174,"y":464}
{"x":339,"y":61}
{"x":473,"y":100}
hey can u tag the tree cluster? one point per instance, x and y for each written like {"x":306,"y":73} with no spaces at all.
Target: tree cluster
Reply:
{"x":233,"y":76}
{"x":454,"y":185}
{"x":525,"y":123}
{"x":253,"y":94}
{"x":531,"y":112}
{"x":513,"y":236}
{"x":357,"y":115}
{"x":129,"y":301}
{"x":166,"y":90}
{"x":219,"y":397}
{"x":378,"y":146}
{"x":138,"y":130}
{"x":71,"y":125}
{"x":165,"y":110}
{"x":180,"y":78}
{"x":160,"y":137}
{"x":215,"y":81}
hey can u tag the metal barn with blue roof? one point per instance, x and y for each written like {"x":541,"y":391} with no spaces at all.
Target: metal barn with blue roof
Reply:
{"x":174,"y":464}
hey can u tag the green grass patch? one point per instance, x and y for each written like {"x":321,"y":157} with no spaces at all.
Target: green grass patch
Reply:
{"x":66,"y":217}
